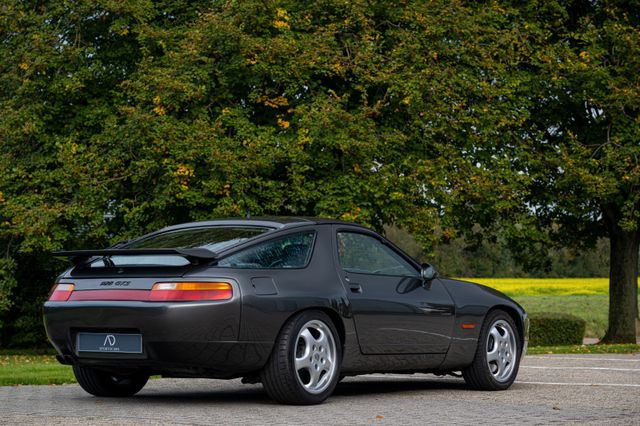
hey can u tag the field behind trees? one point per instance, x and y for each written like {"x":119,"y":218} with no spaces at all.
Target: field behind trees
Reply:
{"x":587,"y":298}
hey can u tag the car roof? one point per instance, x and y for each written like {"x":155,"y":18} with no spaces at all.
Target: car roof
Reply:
{"x":275,"y":222}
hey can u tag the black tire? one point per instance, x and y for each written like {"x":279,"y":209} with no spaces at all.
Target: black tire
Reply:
{"x":496,"y":361}
{"x":313,"y":383}
{"x":101,"y":383}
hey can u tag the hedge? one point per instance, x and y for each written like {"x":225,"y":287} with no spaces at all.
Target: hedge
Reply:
{"x":553,"y":329}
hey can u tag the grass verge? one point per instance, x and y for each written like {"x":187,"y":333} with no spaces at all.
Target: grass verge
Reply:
{"x":584,"y":349}
{"x":25,"y":369}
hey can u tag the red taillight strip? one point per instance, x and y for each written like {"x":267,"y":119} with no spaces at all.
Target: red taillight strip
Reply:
{"x":133,"y":295}
{"x":161,"y":292}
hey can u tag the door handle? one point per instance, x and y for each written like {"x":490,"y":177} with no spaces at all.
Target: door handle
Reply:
{"x":355,"y":288}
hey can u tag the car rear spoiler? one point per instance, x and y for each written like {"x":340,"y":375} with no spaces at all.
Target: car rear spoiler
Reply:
{"x":193,"y":255}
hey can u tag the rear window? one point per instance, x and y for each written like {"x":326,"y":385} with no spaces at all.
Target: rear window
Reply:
{"x":212,"y":238}
{"x":292,"y":251}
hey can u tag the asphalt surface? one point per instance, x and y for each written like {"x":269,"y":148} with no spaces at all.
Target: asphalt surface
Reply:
{"x":565,"y":389}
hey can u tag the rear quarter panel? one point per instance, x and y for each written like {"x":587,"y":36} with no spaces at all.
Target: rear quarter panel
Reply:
{"x":271,"y":296}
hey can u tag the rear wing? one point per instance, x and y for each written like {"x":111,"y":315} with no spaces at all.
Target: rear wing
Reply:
{"x":193,"y":255}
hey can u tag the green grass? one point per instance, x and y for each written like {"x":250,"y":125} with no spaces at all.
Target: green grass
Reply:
{"x":594,"y":309}
{"x":24,"y":369}
{"x":584,"y":349}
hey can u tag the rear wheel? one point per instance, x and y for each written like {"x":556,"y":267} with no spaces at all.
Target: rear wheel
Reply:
{"x":304,"y":367}
{"x":497,"y":357}
{"x":101,"y":383}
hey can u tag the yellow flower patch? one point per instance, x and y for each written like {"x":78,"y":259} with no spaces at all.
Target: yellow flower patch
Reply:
{"x":546,"y":286}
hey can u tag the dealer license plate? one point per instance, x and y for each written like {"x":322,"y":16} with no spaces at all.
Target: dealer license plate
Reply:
{"x":110,"y":343}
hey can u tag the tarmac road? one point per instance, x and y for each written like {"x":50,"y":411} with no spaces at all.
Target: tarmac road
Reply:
{"x":574,"y":389}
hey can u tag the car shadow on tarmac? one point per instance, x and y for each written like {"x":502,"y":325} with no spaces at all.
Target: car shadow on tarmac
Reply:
{"x":397,"y":385}
{"x":256,"y":394}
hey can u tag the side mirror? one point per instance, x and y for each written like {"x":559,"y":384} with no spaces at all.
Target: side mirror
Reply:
{"x":428,"y":273}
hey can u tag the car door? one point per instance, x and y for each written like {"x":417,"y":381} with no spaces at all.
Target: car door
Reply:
{"x":394,"y":311}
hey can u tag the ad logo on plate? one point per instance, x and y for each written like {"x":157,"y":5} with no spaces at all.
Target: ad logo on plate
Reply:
{"x":109,"y":340}
{"x":109,"y":344}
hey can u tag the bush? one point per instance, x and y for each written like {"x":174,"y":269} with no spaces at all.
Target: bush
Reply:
{"x":21,"y":321}
{"x":553,"y":329}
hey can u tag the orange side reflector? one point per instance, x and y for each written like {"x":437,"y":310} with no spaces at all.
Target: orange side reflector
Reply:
{"x":468,"y":326}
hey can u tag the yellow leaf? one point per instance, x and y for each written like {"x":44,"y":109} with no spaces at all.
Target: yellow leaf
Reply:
{"x":160,"y":110}
{"x":282,"y":13}
{"x":281,"y":24}
{"x":277,"y":102}
{"x":283,"y":123}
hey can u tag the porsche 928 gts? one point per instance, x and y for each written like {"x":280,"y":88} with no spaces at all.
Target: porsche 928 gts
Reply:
{"x":295,"y":304}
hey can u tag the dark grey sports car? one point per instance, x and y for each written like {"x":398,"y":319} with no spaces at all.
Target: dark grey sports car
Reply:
{"x":293,"y":303}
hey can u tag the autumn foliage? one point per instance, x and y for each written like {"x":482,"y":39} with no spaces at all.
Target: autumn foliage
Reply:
{"x":444,"y":118}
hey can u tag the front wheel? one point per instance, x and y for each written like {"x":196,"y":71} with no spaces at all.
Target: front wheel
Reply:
{"x":102,"y":383}
{"x":497,"y":357}
{"x":304,"y":367}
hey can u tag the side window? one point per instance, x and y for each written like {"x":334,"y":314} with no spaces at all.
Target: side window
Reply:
{"x":363,"y":254}
{"x":292,"y":251}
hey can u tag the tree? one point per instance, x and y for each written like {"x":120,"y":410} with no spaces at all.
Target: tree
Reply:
{"x":586,"y":169}
{"x":119,"y":118}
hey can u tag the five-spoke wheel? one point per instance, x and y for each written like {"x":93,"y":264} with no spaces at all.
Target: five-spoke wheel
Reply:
{"x":304,"y":367}
{"x":315,"y":359}
{"x":497,"y":357}
{"x":501,"y":345}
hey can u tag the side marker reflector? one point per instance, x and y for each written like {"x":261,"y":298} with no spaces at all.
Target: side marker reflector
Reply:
{"x":468,"y":326}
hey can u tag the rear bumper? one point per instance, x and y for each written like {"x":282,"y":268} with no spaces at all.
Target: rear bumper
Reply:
{"x":198,"y":339}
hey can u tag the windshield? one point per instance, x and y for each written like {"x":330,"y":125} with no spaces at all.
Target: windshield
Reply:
{"x":213,"y":238}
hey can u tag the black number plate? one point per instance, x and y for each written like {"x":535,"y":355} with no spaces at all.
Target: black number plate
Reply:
{"x":110,"y":343}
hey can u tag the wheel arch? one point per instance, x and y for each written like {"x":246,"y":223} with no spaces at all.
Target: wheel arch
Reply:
{"x":281,"y":377}
{"x":332,"y":314}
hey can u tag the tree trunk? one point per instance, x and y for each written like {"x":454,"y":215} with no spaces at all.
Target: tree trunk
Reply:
{"x":623,"y":285}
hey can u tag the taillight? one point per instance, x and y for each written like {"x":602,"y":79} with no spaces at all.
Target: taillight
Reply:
{"x":61,"y":292}
{"x":177,"y":291}
{"x":161,"y":292}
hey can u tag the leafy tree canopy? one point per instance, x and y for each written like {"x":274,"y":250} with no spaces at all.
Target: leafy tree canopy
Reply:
{"x":119,"y":118}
